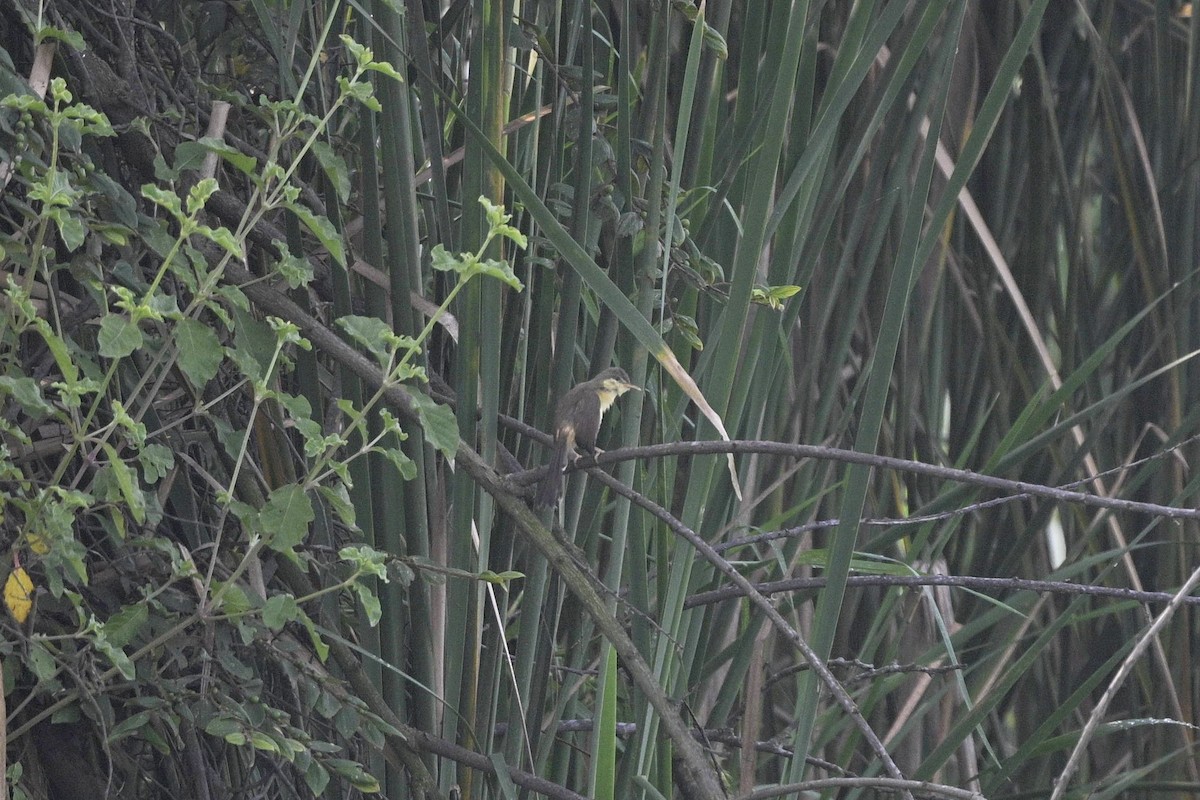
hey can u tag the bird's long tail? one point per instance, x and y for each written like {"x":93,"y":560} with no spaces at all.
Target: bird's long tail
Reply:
{"x":551,"y":485}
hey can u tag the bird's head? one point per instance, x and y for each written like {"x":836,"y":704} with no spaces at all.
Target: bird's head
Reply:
{"x":611,"y":384}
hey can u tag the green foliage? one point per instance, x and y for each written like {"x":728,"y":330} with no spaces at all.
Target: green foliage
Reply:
{"x":170,"y":613}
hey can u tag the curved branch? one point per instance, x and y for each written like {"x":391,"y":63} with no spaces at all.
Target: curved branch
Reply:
{"x":886,"y":462}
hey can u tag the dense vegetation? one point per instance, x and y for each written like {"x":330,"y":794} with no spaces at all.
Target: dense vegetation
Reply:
{"x":289,"y":291}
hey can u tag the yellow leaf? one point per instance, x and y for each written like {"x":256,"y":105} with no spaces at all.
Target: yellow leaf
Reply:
{"x":37,"y":544}
{"x":18,"y":594}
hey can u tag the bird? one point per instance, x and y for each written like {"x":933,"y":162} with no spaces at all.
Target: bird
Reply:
{"x":576,"y":423}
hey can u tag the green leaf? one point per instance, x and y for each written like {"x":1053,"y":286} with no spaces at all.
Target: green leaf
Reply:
{"x":385,"y":68}
{"x":445,"y":261}
{"x":156,"y":460}
{"x":500,"y":578}
{"x":288,"y":333}
{"x":347,"y":721}
{"x":315,"y":442}
{"x":279,"y":610}
{"x":70,"y":228}
{"x":135,"y":429}
{"x":89,"y":121}
{"x":163,"y":172}
{"x":327,"y":705}
{"x":439,"y":424}
{"x":773,"y":296}
{"x":317,"y":778}
{"x":188,"y":156}
{"x":118,"y":202}
{"x":365,"y":58}
{"x":360,"y":91}
{"x":117,"y":656}
{"x":162,"y":306}
{"x":334,"y":167}
{"x":234,"y":599}
{"x":362,"y":54}
{"x":162,"y":197}
{"x":687,"y":327}
{"x":229,"y":437}
{"x":372,"y":333}
{"x":403,"y":464}
{"x":118,"y":336}
{"x":354,"y":772}
{"x":254,"y":345}
{"x":71,"y":38}
{"x":370,"y":604}
{"x":366,"y":560}
{"x":26,"y":392}
{"x":200,"y":351}
{"x":153,"y":738}
{"x":62,"y":356}
{"x":295,"y":270}
{"x":323,"y":229}
{"x":400,"y":573}
{"x":123,"y":626}
{"x":500,"y":270}
{"x":41,"y":662}
{"x":286,"y":516}
{"x":198,"y":195}
{"x":126,"y":481}
{"x":225,"y":238}
{"x":232,"y":295}
{"x":56,"y":190}
{"x":130,"y":725}
{"x":338,"y":498}
{"x":222,"y":726}
{"x":714,"y":41}
{"x":191,"y":155}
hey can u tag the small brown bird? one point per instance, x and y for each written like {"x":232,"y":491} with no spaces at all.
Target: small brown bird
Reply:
{"x":576,"y":423}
